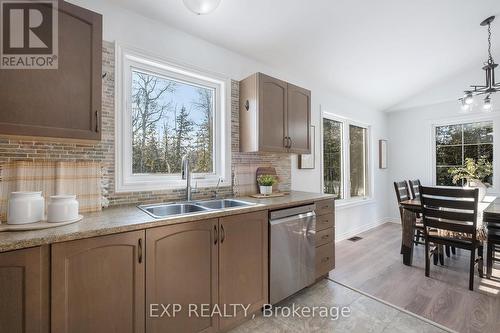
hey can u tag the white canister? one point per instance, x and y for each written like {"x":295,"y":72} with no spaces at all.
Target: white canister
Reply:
{"x":62,"y":208}
{"x":25,"y":207}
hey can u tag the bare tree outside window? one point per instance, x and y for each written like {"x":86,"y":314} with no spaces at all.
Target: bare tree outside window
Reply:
{"x":358,"y":163}
{"x":170,"y":119}
{"x":332,"y":157}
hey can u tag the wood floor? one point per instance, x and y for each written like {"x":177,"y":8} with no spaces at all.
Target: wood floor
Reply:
{"x":374,"y":266}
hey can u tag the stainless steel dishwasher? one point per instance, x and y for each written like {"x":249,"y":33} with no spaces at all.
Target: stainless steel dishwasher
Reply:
{"x":292,"y":244}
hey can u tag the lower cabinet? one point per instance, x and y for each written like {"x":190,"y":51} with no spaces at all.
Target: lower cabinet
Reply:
{"x":206,"y":266}
{"x":98,"y":285}
{"x":182,"y":274}
{"x":243,"y":264}
{"x":24,"y":291}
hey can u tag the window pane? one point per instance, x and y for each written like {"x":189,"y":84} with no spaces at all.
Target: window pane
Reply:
{"x":170,"y":119}
{"x":478,"y":132}
{"x":358,"y":161}
{"x":448,"y":135}
{"x":476,"y":142}
{"x":443,"y":177}
{"x":332,"y":157}
{"x":449,"y":155}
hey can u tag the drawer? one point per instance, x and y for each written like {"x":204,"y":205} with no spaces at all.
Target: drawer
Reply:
{"x":324,"y":222}
{"x":325,"y":207}
{"x":324,"y":236}
{"x":325,"y":259}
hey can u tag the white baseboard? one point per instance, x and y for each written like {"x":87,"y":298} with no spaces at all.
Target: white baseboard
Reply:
{"x":360,"y":229}
{"x":396,"y":220}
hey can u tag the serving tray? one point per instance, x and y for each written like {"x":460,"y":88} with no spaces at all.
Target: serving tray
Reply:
{"x":37,"y":225}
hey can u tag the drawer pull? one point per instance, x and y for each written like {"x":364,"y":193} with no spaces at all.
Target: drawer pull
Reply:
{"x":325,"y":236}
{"x":325,"y":259}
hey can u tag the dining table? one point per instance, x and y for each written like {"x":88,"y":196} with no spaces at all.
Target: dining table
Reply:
{"x":489,"y":206}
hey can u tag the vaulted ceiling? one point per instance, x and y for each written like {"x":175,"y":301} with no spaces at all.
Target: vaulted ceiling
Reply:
{"x":380,"y":52}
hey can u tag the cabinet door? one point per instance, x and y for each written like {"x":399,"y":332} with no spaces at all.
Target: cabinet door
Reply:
{"x":243,"y":263}
{"x":299,"y":119}
{"x":272,"y":114}
{"x":63,"y":102}
{"x":24,"y":288}
{"x":98,"y":285}
{"x":182,"y":269}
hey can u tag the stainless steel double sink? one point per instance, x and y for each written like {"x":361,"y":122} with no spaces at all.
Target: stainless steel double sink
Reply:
{"x":185,"y":208}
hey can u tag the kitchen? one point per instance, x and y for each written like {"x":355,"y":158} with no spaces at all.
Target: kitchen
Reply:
{"x":154,"y":179}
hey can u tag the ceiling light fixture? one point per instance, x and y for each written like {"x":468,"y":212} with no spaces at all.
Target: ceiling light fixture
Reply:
{"x":201,"y":7}
{"x":491,"y":85}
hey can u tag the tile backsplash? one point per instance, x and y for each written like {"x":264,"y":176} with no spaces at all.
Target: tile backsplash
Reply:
{"x":244,"y":165}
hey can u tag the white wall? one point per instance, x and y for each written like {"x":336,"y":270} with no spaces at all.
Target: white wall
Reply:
{"x":152,"y":36}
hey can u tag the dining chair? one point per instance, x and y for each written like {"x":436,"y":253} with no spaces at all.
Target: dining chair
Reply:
{"x":403,"y":194}
{"x":493,"y":239}
{"x":453,"y":212}
{"x":414,"y":188}
{"x":415,"y":194}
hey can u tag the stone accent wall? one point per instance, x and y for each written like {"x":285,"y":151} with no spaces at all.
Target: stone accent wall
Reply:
{"x":243,"y":164}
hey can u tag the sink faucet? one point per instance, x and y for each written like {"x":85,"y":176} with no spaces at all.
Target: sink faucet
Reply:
{"x":186,"y":175}
{"x":216,"y":191}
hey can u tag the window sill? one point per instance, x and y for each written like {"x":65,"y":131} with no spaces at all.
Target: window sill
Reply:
{"x":344,"y":204}
{"x":168,"y":185}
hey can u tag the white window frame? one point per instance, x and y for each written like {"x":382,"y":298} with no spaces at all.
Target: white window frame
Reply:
{"x":127,"y":59}
{"x":346,"y":179}
{"x":475,"y":118}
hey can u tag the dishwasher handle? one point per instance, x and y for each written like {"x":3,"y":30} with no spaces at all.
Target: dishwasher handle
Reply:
{"x":292,"y":218}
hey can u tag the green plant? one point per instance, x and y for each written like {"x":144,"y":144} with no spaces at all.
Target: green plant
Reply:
{"x":479,"y":170}
{"x":266,"y":180}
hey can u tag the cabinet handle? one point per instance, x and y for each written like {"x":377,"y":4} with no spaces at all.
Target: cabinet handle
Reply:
{"x":289,"y":142}
{"x":222,"y":234}
{"x":215,"y":235}
{"x":96,"y":121}
{"x":140,"y":250}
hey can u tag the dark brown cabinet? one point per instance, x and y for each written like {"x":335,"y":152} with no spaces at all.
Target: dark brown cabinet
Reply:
{"x":24,"y":291}
{"x":299,"y":119}
{"x":243,"y":263}
{"x":213,"y":262}
{"x":98,"y":284}
{"x":275,"y":116}
{"x":182,"y":268}
{"x":63,"y":102}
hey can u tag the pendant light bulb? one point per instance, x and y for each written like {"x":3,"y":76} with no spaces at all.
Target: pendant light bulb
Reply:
{"x":464,"y":106}
{"x":487,"y":103}
{"x":468,"y":98}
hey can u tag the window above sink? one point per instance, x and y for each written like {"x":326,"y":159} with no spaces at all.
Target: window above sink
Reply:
{"x":163,"y":111}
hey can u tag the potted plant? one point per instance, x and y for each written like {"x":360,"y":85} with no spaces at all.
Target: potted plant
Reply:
{"x":474,"y":173}
{"x":266,"y":183}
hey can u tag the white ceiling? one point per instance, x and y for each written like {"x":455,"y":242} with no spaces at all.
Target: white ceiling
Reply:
{"x":380,"y":52}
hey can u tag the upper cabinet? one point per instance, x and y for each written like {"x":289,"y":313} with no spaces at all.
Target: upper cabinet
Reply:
{"x":63,"y":102}
{"x":275,"y":116}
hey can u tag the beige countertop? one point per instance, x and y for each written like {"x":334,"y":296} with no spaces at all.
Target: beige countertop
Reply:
{"x":128,"y":218}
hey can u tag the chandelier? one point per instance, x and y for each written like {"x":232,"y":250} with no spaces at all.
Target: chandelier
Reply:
{"x":490,"y":86}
